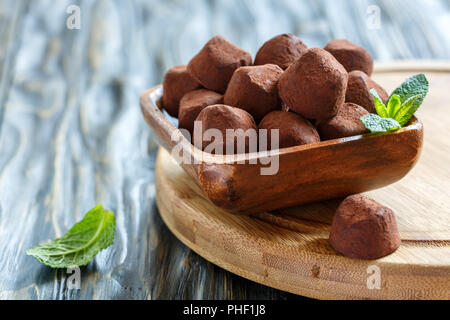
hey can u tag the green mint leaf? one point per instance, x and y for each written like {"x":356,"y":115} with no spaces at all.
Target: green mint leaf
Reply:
{"x":393,"y":105}
{"x":413,"y":86}
{"x":81,"y":243}
{"x":407,"y":110}
{"x":379,"y":105}
{"x":377,"y":124}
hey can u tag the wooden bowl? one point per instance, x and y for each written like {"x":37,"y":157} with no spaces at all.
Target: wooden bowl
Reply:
{"x":307,"y":173}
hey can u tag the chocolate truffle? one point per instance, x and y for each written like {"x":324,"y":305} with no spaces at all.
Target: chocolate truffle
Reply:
{"x":223,"y":117}
{"x":358,"y":87}
{"x":351,"y":56}
{"x":254,"y":89}
{"x":364,"y":229}
{"x":214,"y":65}
{"x":314,"y":86}
{"x":192,"y":103}
{"x":177,"y":82}
{"x":345,"y":123}
{"x":294,"y":130}
{"x":281,"y":50}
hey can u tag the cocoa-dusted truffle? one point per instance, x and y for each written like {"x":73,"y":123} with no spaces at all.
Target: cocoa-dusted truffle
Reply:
{"x":214,"y":65}
{"x":281,"y":50}
{"x":314,"y":86}
{"x":192,"y":103}
{"x":177,"y":82}
{"x":345,"y":123}
{"x":254,"y":89}
{"x":351,"y":56}
{"x":364,"y":229}
{"x":358,"y":87}
{"x":223,"y":117}
{"x":294,"y":130}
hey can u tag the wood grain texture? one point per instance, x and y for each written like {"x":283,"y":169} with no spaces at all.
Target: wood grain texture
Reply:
{"x":288,"y":249}
{"x":298,"y":175}
{"x":72,"y":134}
{"x":291,"y":252}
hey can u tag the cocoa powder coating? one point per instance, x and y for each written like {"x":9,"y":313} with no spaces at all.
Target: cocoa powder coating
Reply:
{"x":193,"y":103}
{"x":254,"y":89}
{"x":346,"y":123}
{"x":214,"y":65}
{"x":358,"y":87}
{"x":314,"y":86}
{"x":177,"y":82}
{"x":364,"y":229}
{"x":281,"y":50}
{"x":294,"y":130}
{"x":223,"y":117}
{"x":351,"y":56}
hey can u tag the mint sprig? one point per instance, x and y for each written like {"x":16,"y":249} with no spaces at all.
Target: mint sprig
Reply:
{"x":400,"y":107}
{"x":81,"y":243}
{"x":377,"y":124}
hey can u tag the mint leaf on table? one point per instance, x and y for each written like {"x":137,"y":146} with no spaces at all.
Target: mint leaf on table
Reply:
{"x":377,"y":124}
{"x":400,"y":107}
{"x":81,"y":243}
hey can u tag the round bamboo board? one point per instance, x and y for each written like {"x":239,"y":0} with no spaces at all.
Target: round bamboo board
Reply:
{"x":289,"y":250}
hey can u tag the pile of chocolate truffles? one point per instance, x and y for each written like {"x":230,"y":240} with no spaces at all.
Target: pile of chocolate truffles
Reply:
{"x":308,"y":94}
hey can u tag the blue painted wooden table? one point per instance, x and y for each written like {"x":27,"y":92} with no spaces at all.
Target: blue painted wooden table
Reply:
{"x":72,"y":134}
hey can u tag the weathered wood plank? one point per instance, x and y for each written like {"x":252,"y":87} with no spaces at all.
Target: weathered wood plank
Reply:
{"x":72,"y":134}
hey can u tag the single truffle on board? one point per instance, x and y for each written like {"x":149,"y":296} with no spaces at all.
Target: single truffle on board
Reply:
{"x":293,"y":129}
{"x":314,"y":86}
{"x":358,"y":87}
{"x":193,"y":103}
{"x":351,"y":56}
{"x":223,"y":117}
{"x":177,"y":82}
{"x":364,"y":229}
{"x":214,"y":65}
{"x":346,"y":123}
{"x":281,"y":50}
{"x":254,"y":89}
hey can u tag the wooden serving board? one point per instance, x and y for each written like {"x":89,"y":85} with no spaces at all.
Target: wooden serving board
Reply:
{"x":289,"y":250}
